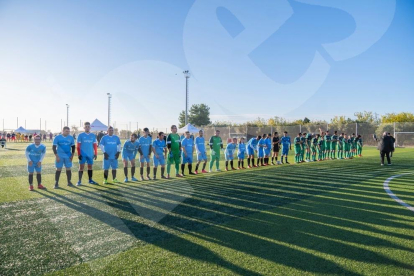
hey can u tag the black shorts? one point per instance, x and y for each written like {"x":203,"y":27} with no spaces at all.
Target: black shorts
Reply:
{"x":276,"y":148}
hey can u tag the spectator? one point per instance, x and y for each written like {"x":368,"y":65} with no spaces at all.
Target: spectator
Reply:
{"x":385,"y":146}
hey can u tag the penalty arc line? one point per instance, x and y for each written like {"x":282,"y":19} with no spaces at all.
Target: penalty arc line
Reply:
{"x":392,"y":195}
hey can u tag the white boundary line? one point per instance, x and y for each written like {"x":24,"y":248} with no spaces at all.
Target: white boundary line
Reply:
{"x":392,"y":195}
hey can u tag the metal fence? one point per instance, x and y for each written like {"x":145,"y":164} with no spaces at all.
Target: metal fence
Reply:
{"x":403,"y":132}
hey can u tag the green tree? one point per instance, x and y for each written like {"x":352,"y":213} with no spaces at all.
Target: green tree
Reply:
{"x":199,"y":115}
{"x":306,"y":121}
{"x":403,"y":117}
{"x":367,"y":117}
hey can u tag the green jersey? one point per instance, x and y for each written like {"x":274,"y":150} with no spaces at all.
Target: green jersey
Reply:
{"x":174,"y":141}
{"x":216,"y":143}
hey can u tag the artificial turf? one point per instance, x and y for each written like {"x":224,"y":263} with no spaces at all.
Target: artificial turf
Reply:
{"x":330,"y":217}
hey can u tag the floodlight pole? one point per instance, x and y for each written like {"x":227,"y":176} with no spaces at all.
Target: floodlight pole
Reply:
{"x":67,"y":115}
{"x":187,"y":76}
{"x":109,"y":108}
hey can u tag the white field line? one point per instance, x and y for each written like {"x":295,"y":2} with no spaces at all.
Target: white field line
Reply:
{"x":392,"y":195}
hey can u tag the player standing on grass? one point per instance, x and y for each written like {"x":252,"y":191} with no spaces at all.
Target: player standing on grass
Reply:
{"x":229,"y":153}
{"x":268,"y":149}
{"x":260,"y":150}
{"x":276,"y":148}
{"x":298,"y":147}
{"x":129,"y":153}
{"x":286,"y":145}
{"x":200,"y":146}
{"x":321,"y":148}
{"x":64,"y":149}
{"x":251,"y":148}
{"x":303,"y":141}
{"x":353,"y":145}
{"x":334,"y":144}
{"x":111,"y":147}
{"x":174,"y":151}
{"x":87,"y":147}
{"x":216,"y":145}
{"x":241,"y":154}
{"x":308,"y":147}
{"x":35,"y":154}
{"x":187,"y":145}
{"x":314,"y":147}
{"x":360,"y":145}
{"x":159,"y":147}
{"x":328,"y":145}
{"x":341,"y":146}
{"x":145,"y":144}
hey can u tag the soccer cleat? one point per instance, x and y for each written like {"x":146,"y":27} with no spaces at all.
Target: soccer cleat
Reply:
{"x":191,"y":173}
{"x":56,"y":186}
{"x":134,"y":179}
{"x":148,"y":177}
{"x":168,"y":176}
{"x":287,"y":163}
{"x":115,"y":180}
{"x":382,"y":164}
{"x":195,"y":172}
{"x":30,"y":187}
{"x":154,"y":178}
{"x":233,"y":169}
{"x":126,"y":180}
{"x":92,"y":182}
{"x":142,"y":178}
{"x":218,"y":170}
{"x":227,"y":170}
{"x":273,"y":163}
{"x":105,"y":181}
{"x":70,"y":184}
{"x":163,"y":177}
{"x":40,"y":186}
{"x":210,"y":171}
{"x":179,"y":175}
{"x":249,"y":167}
{"x":79,"y":183}
{"x":204,"y":171}
{"x":389,"y":164}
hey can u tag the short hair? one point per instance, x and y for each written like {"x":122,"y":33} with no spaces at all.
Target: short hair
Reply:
{"x":285,"y":132}
{"x":304,"y":133}
{"x":86,"y":124}
{"x":146,"y":129}
{"x":275,"y":133}
{"x":173,"y":126}
{"x":110,"y":127}
{"x":335,"y":131}
{"x":37,"y":136}
{"x":134,"y":135}
{"x":300,"y":133}
{"x":217,"y":130}
{"x":270,"y":134}
{"x":187,"y":132}
{"x":242,"y":138}
{"x":160,"y":133}
{"x":259,"y":137}
{"x":343,"y":133}
{"x":66,"y":128}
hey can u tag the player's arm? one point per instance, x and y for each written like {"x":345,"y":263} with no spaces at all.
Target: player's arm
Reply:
{"x":211,"y":142}
{"x":28,"y":155}
{"x":169,"y":142}
{"x":183,"y":149}
{"x":221,"y":143}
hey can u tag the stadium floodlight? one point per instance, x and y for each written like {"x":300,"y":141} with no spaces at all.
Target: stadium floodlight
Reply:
{"x":109,"y":108}
{"x":67,"y":115}
{"x":187,"y":76}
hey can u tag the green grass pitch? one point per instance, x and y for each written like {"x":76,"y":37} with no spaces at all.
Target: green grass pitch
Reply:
{"x":321,"y":218}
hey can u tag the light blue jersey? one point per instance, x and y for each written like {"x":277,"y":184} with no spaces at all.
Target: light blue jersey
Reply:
{"x":129,"y":150}
{"x":241,"y":150}
{"x":252,"y":143}
{"x":35,"y":153}
{"x":110,"y":145}
{"x":200,"y":144}
{"x":86,"y":141}
{"x":145,"y":144}
{"x":230,"y":149}
{"x":159,"y":146}
{"x":261,"y":144}
{"x":187,"y":143}
{"x":285,"y":141}
{"x":64,"y":145}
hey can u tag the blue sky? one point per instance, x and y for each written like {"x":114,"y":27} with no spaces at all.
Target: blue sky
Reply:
{"x":313,"y":58}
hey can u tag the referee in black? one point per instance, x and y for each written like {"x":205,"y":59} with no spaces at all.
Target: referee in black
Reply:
{"x":385,"y":146}
{"x":276,"y":147}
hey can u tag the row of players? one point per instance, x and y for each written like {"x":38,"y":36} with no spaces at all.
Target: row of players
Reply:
{"x":173,"y":150}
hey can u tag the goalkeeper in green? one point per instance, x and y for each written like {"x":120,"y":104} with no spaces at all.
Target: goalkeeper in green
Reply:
{"x":174,"y":151}
{"x":216,"y":145}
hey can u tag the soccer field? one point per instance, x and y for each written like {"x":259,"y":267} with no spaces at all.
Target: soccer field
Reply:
{"x":321,"y":218}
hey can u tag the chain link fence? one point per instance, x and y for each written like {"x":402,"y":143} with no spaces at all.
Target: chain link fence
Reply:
{"x":403,"y":132}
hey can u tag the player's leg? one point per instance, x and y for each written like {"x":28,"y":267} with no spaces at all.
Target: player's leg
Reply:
{"x":141,"y":168}
{"x":114,"y":166}
{"x":184,"y":161}
{"x":68,"y":166}
{"x":190,"y":165}
{"x":155,"y":168}
{"x":218,"y":162}
{"x":148,"y":168}
{"x":133,"y":169}
{"x":125,"y":162}
{"x":80,"y":172}
{"x":30,"y":170}
{"x":106,"y":165}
